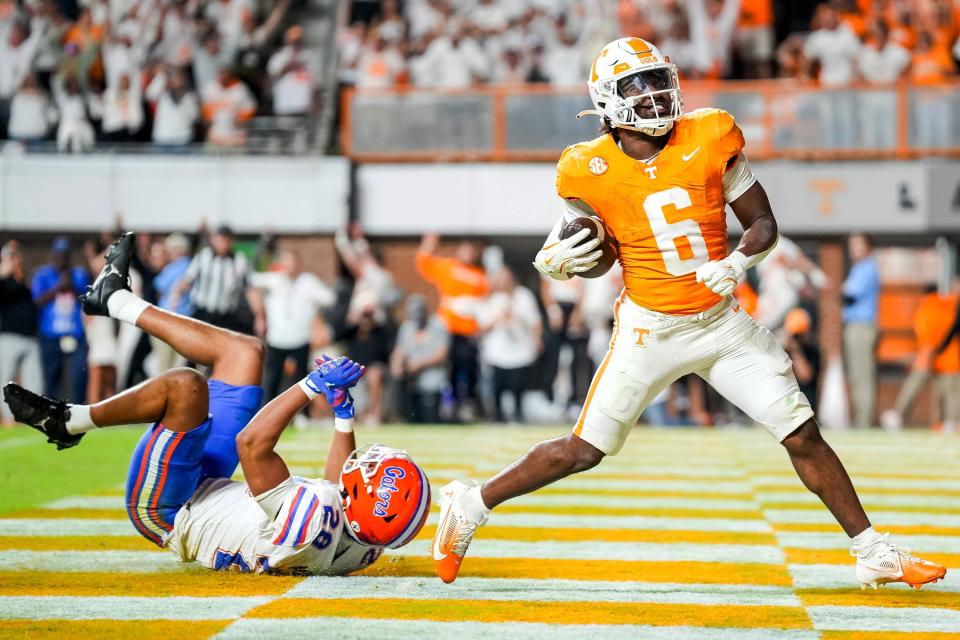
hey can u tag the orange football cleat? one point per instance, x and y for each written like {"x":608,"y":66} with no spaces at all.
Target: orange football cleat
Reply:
{"x":454,"y":533}
{"x":895,"y":564}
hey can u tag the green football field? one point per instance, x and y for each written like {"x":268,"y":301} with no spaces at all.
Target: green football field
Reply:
{"x":685,"y":534}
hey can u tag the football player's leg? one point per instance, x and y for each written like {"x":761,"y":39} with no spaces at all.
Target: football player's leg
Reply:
{"x":165,"y":468}
{"x":616,"y":398}
{"x":178,"y":398}
{"x":755,"y":373}
{"x":234,"y":358}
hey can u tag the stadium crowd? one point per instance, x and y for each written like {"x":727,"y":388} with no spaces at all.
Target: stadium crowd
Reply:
{"x":459,"y":43}
{"x":170,"y":72}
{"x":489,"y":347}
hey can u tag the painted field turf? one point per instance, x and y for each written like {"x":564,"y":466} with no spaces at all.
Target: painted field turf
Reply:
{"x":684,"y":534}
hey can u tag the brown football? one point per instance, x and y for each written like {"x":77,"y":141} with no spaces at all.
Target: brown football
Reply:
{"x":607,"y":243}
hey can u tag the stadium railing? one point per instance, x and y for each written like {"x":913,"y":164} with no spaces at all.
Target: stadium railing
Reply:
{"x":779,"y":118}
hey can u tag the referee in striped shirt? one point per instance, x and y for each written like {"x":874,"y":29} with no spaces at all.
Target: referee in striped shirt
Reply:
{"x":218,"y":279}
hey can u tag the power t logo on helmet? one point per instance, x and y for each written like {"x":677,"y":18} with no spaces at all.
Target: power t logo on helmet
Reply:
{"x":634,"y":86}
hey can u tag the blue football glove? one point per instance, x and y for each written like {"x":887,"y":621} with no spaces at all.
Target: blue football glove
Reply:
{"x":332,"y":378}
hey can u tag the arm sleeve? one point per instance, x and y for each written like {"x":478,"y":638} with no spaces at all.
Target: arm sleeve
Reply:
{"x":431,"y":267}
{"x":738,"y":179}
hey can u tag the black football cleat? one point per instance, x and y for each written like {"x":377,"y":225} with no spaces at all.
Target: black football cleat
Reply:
{"x":114,"y":276}
{"x":46,"y":415}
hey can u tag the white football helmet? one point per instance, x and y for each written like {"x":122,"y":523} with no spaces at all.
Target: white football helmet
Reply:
{"x":631,"y":77}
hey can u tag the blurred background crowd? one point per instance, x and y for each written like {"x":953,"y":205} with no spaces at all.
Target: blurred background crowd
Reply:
{"x":75,"y":74}
{"x":491,"y":343}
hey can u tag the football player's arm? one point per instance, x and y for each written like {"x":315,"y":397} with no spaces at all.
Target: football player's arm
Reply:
{"x":750,"y":204}
{"x":263,"y":468}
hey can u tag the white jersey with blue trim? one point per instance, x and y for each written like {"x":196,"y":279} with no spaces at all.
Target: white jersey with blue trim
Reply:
{"x":298,"y":528}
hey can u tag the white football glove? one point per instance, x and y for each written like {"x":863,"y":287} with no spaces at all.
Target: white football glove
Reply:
{"x":567,"y":257}
{"x":721,"y":276}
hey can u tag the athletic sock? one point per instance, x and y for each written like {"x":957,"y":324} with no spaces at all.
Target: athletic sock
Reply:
{"x":125,"y":306}
{"x":80,"y":420}
{"x":473,"y":504}
{"x":867,"y":541}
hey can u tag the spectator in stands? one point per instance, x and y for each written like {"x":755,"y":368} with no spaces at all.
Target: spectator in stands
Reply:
{"x":293,"y":299}
{"x":365,"y":266}
{"x":881,"y":62}
{"x":231,"y":18}
{"x":122,"y":112}
{"x":835,"y":48}
{"x":930,"y":65}
{"x":512,"y":67}
{"x":861,"y":295}
{"x":178,"y":249}
{"x":419,"y":360}
{"x":30,"y":113}
{"x":208,"y":59}
{"x":17,"y":52}
{"x":102,"y":347}
{"x":379,"y":65}
{"x":292,"y":76}
{"x":55,"y":288}
{"x":453,"y":61}
{"x":368,"y":340}
{"x":799,"y":341}
{"x":563,"y":62}
{"x":19,"y":350}
{"x":755,"y":37}
{"x":935,"y":326}
{"x":218,"y":279}
{"x":120,"y":57}
{"x":75,"y":132}
{"x":227,"y":106}
{"x":713,"y":22}
{"x":785,"y":277}
{"x":177,"y":110}
{"x":512,"y":339}
{"x":462,"y":286}
{"x":566,"y":327}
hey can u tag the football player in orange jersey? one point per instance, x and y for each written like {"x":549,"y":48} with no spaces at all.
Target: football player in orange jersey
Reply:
{"x":660,"y":180}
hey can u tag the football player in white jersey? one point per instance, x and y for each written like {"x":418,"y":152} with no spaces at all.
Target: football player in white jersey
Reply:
{"x":179,"y":492}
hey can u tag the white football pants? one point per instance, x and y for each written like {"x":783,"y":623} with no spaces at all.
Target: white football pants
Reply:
{"x":723,"y":345}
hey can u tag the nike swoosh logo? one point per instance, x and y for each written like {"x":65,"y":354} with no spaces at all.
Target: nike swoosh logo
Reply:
{"x":436,"y":541}
{"x":686,"y":157}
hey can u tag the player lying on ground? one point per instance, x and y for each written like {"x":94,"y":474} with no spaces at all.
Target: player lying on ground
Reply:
{"x":660,"y":180}
{"x":179,"y":493}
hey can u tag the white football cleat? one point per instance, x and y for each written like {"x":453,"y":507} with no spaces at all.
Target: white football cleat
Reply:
{"x":889,"y":563}
{"x":454,"y":532}
{"x":890,"y":420}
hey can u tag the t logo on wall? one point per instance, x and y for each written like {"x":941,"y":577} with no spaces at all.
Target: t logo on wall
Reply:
{"x":907,"y":201}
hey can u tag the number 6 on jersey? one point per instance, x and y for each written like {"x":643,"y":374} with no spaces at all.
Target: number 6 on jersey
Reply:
{"x":667,"y":233}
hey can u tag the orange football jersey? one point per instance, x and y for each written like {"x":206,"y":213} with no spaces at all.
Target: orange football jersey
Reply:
{"x":933,"y":320}
{"x":668,"y":214}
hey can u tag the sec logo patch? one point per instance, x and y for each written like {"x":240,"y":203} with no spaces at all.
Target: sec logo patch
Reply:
{"x":598,"y":165}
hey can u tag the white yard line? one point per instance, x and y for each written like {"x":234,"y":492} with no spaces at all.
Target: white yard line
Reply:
{"x":545,"y":591}
{"x":65,"y":527}
{"x":126,"y":608}
{"x":841,"y":576}
{"x":908,"y":619}
{"x":92,"y":561}
{"x":905,"y":518}
{"x":918,"y":543}
{"x":364,"y":629}
{"x":623,"y":551}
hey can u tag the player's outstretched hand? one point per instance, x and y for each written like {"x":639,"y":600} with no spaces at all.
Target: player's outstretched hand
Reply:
{"x":569,"y":256}
{"x":332,"y":378}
